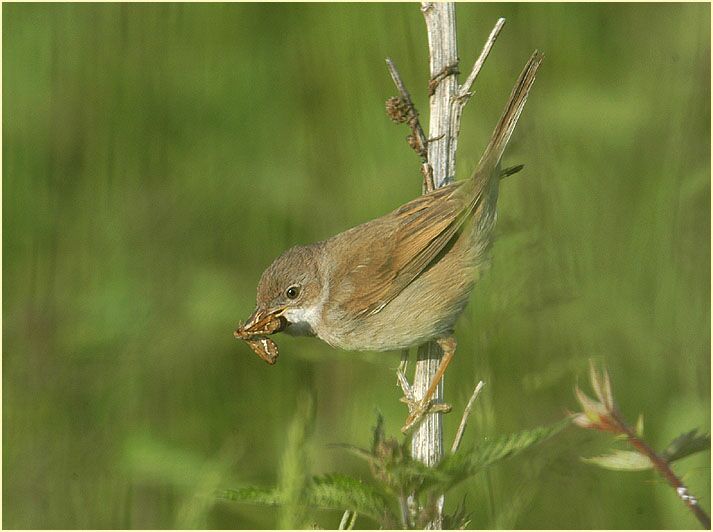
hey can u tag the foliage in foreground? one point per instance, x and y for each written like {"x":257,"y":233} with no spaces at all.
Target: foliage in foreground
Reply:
{"x":405,"y":493}
{"x":395,"y":476}
{"x":602,"y":414}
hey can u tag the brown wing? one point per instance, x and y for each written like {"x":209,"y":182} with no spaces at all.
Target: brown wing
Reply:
{"x":396,"y":248}
{"x":400,"y":246}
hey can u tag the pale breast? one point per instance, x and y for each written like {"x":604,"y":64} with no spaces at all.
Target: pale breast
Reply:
{"x":425,"y":309}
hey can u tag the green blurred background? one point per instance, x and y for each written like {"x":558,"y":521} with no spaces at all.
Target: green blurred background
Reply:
{"x":156,"y":158}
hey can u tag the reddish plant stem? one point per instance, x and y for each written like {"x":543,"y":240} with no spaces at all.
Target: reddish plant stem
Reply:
{"x":664,"y":468}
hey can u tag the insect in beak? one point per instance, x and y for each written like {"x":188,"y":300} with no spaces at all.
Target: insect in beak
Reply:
{"x":254,"y":332}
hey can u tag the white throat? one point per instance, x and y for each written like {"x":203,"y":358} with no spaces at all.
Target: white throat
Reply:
{"x":303,"y":321}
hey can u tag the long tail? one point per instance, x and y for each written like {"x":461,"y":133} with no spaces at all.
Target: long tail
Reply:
{"x":482,"y":189}
{"x":503,"y":131}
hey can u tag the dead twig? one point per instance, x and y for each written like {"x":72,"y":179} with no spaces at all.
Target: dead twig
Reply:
{"x":401,"y":110}
{"x":438,"y":155}
{"x":466,"y":414}
{"x":464,"y":92}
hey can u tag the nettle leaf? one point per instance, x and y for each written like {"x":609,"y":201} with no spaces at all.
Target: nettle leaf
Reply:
{"x":252,"y":495}
{"x":354,"y":450}
{"x":409,"y":476}
{"x":461,"y":465}
{"x":510,"y":445}
{"x":686,"y":445}
{"x":621,"y":461}
{"x":339,"y":492}
{"x":329,"y":492}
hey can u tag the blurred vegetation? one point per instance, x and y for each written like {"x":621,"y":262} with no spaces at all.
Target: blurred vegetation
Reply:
{"x":156,"y":157}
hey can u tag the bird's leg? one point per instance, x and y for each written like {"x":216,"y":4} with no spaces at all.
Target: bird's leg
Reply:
{"x":418,"y":409}
{"x":403,"y":366}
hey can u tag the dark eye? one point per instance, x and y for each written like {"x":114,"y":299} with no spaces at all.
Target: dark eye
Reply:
{"x":292,"y":292}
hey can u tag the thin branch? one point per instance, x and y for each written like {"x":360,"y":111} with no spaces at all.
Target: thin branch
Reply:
{"x":440,"y":20}
{"x":410,"y":115}
{"x":466,"y":414}
{"x":417,"y":140}
{"x":405,"y":386}
{"x":438,"y":154}
{"x":603,"y":415}
{"x":664,"y":468}
{"x":464,"y":93}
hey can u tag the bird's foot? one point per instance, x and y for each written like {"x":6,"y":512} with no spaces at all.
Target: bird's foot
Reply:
{"x":418,"y":409}
{"x":401,"y":371}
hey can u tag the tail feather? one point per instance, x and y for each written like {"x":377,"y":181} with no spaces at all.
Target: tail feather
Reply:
{"x":503,"y":131}
{"x":483,"y":186}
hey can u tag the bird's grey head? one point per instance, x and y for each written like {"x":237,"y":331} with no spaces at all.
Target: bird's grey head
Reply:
{"x":292,"y":287}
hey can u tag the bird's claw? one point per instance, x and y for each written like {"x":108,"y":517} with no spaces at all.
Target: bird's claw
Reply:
{"x":418,"y":409}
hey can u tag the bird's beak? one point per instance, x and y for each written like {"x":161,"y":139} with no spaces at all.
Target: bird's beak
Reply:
{"x":262,"y":322}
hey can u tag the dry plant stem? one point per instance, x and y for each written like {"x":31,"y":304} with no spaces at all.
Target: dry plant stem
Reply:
{"x":464,"y":92}
{"x":466,"y":415}
{"x":664,"y":468}
{"x":412,"y":115}
{"x":344,"y":523}
{"x":427,"y":440}
{"x":443,"y":51}
{"x":415,"y":125}
{"x":438,"y":155}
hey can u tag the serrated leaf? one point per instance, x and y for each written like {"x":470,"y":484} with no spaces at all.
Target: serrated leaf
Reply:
{"x":459,"y":466}
{"x":329,"y":492}
{"x":686,"y":445}
{"x":252,"y":495}
{"x":293,"y":475}
{"x":621,"y":461}
{"x":338,"y":492}
{"x":409,"y":476}
{"x":515,"y":443}
{"x":354,"y":450}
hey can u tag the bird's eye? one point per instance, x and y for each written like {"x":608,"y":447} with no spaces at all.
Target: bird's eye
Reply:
{"x":292,"y":292}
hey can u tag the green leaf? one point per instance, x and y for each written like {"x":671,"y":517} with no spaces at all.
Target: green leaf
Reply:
{"x":293,"y":476}
{"x":329,"y":492}
{"x":337,"y":492}
{"x":408,"y":476}
{"x":354,"y":450}
{"x":459,"y":466}
{"x":510,"y":445}
{"x":686,"y":445}
{"x":252,"y":495}
{"x":621,"y":461}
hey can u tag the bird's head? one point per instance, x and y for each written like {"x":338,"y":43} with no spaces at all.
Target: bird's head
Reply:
{"x":291,"y":290}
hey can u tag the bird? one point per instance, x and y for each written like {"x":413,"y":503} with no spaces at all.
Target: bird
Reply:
{"x":397,"y":281}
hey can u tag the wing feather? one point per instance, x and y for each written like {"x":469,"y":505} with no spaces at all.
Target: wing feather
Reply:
{"x":409,"y":239}
{"x":405,"y":242}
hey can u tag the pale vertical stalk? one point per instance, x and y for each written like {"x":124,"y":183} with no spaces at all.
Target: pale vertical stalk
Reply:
{"x":443,"y":51}
{"x":446,"y":102}
{"x":427,"y":440}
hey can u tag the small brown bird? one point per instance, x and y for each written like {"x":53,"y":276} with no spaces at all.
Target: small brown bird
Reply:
{"x":395,"y":282}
